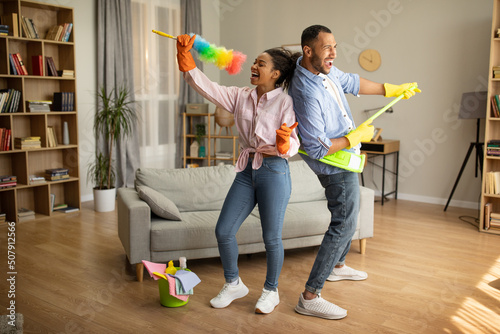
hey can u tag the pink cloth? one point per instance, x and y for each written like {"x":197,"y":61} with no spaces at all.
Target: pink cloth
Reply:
{"x":171,"y":289}
{"x":152,"y":267}
{"x":256,"y":121}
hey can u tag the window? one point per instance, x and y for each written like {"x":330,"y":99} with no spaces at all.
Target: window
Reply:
{"x":156,"y":79}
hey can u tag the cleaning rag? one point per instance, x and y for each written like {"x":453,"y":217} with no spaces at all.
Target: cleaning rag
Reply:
{"x":171,"y":288}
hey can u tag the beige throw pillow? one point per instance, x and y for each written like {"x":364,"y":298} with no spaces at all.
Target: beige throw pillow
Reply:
{"x":159,"y":204}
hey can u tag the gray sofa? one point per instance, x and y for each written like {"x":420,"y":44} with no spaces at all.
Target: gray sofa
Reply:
{"x":195,"y":197}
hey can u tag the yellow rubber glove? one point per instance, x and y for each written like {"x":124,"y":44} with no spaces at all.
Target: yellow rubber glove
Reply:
{"x":184,"y":58}
{"x":283,"y":137}
{"x":364,"y":132}
{"x":396,"y":90}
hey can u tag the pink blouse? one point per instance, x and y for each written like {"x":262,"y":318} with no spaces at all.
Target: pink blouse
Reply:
{"x":256,"y":121}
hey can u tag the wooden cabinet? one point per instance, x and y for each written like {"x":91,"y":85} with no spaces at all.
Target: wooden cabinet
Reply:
{"x":23,"y":163}
{"x":212,"y":141}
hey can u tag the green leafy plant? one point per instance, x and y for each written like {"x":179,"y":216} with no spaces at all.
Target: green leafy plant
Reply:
{"x":200,"y":133}
{"x":113,"y":120}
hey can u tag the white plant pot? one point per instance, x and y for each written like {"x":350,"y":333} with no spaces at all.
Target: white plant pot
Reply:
{"x":104,"y":200}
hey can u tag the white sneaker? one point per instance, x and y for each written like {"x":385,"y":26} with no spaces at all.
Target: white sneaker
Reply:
{"x":267,"y":301}
{"x":228,"y":293}
{"x":346,"y":273}
{"x":319,"y":307}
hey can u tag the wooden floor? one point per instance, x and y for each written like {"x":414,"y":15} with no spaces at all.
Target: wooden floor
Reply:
{"x":429,"y":272}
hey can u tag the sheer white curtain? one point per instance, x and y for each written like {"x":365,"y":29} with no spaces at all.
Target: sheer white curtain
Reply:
{"x":156,"y":78}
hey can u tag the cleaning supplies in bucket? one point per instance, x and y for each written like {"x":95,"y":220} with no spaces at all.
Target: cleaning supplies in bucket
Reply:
{"x":176,"y":288}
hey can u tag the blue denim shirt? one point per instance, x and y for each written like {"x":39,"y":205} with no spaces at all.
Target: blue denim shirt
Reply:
{"x":319,"y":115}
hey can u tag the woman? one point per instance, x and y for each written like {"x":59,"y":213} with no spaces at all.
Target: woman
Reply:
{"x":261,"y":116}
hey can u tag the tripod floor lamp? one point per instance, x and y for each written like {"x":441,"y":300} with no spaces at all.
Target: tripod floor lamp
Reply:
{"x":472,"y":106}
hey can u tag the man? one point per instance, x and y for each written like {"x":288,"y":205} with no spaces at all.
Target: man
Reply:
{"x":326,"y":126}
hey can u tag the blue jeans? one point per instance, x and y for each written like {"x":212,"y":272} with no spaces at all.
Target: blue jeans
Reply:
{"x":269,"y":186}
{"x":342,"y":194}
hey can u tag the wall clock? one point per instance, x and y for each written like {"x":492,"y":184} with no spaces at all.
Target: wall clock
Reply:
{"x":370,"y":60}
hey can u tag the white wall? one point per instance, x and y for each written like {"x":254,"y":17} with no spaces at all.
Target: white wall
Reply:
{"x":443,"y":45}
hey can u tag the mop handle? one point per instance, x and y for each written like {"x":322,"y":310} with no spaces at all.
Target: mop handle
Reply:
{"x":390,"y":104}
{"x":164,"y":35}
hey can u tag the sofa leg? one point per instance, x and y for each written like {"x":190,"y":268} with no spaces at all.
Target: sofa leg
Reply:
{"x":139,"y":268}
{"x":362,"y":246}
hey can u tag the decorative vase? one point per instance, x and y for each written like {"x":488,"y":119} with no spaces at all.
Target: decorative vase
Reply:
{"x":104,"y":200}
{"x":65,"y":134}
{"x":201,"y":152}
{"x":193,"y":149}
{"x":224,"y":119}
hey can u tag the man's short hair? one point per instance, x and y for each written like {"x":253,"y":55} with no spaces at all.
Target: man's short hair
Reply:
{"x":310,"y":34}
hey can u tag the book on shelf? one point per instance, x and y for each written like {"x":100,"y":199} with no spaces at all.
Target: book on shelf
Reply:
{"x":17,"y":64}
{"x":38,"y":105}
{"x":57,"y":174}
{"x":37,"y":65}
{"x":496,"y":71}
{"x":57,"y":177}
{"x":8,"y":181}
{"x":51,"y":135}
{"x":11,"y":100}
{"x":60,"y":206}
{"x":52,"y":201}
{"x":13,"y":23}
{"x":493,"y":148}
{"x":24,"y":212}
{"x":26,"y":218}
{"x":5,"y":139}
{"x":57,"y":171}
{"x":66,"y":73}
{"x":495,"y":109}
{"x":4,"y":29}
{"x":492,"y":183}
{"x":21,"y":63}
{"x":491,"y":219}
{"x":29,"y":28}
{"x":63,"y":101}
{"x":61,"y":32}
{"x":51,"y":66}
{"x":69,"y":209}
{"x":26,"y":143}
{"x":35,"y":179}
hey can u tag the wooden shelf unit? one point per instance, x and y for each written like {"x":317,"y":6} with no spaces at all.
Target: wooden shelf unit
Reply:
{"x":211,"y":139}
{"x":23,"y":123}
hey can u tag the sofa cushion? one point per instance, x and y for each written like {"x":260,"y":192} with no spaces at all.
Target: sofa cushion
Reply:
{"x":197,"y":231}
{"x":191,"y":189}
{"x":305,"y":184}
{"x":159,"y":204}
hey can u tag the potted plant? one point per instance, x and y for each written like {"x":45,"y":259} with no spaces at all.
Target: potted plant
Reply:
{"x":113,"y":120}
{"x":200,"y":133}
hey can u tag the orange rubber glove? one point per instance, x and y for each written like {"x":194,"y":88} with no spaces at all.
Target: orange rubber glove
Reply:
{"x":283,"y":137}
{"x":363,"y":133}
{"x":396,"y":90}
{"x":184,"y":58}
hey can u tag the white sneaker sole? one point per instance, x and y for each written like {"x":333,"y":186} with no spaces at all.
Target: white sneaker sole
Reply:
{"x":242,"y":294}
{"x":345,"y":278}
{"x":303,"y":311}
{"x":264,"y":311}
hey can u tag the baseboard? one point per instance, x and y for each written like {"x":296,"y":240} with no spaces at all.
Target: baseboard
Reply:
{"x":433,"y":200}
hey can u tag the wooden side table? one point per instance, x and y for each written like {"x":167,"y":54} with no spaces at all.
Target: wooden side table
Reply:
{"x":383,"y":148}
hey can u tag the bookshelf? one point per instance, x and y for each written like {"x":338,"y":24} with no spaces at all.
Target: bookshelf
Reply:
{"x":212,"y":157}
{"x":22,"y":122}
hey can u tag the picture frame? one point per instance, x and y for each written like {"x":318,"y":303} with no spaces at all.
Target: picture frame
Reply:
{"x":376,"y":134}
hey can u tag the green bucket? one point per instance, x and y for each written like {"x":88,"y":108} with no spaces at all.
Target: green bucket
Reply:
{"x":166,"y":299}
